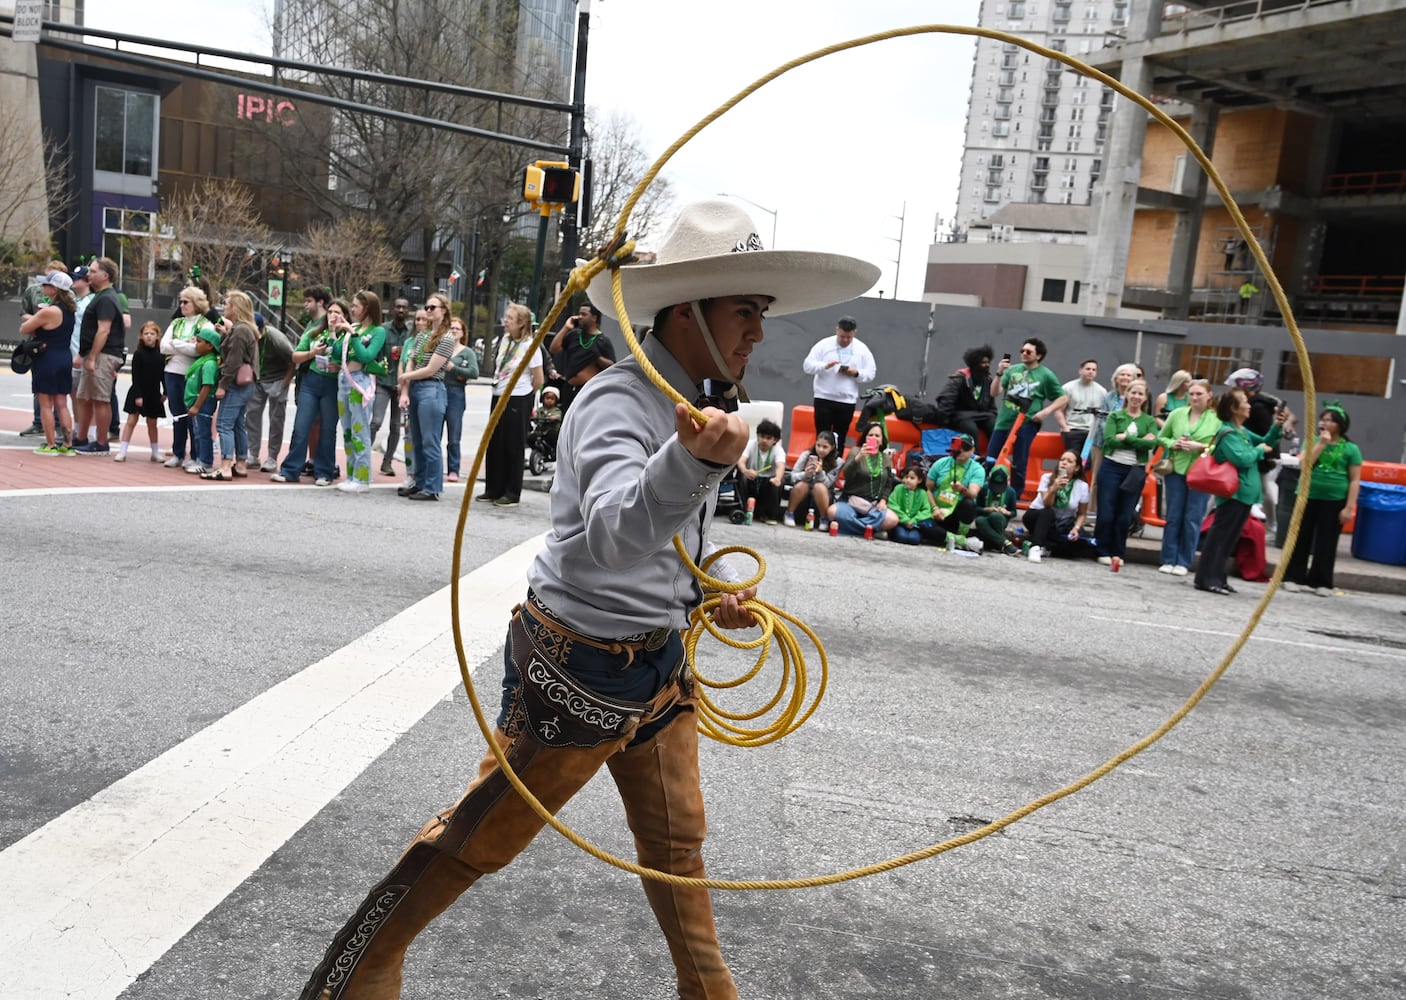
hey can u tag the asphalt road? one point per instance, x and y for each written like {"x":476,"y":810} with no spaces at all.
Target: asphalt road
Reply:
{"x":1256,"y":852}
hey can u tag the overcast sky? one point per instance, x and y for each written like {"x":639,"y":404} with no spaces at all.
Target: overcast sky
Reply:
{"x":839,"y":148}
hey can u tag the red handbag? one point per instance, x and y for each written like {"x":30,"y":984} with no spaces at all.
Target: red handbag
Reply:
{"x":1208,"y":475}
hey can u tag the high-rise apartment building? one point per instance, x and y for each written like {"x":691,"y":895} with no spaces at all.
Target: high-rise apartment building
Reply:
{"x":1036,"y":132}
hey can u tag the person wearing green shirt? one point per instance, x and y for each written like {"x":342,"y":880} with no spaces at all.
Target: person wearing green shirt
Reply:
{"x":909,"y":501}
{"x":1028,"y":388}
{"x":1242,"y":448}
{"x":1129,"y":436}
{"x":1332,"y":502}
{"x":201,"y":378}
{"x":357,"y":350}
{"x":317,"y":396}
{"x":1188,"y":432}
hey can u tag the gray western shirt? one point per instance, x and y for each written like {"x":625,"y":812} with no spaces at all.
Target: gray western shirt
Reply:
{"x":624,"y":488}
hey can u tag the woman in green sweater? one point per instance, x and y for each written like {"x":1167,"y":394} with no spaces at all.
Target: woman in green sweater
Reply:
{"x":1129,"y":435}
{"x":1243,"y":449}
{"x":1332,"y":502}
{"x":1188,"y":432}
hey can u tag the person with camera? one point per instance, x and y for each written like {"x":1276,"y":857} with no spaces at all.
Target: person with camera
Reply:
{"x":1264,"y":413}
{"x":813,"y":478}
{"x":839,"y":365}
{"x":1030,"y":388}
{"x":868,"y":482}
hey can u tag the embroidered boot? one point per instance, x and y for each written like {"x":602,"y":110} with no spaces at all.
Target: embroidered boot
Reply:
{"x":489,"y":827}
{"x":659,"y":784}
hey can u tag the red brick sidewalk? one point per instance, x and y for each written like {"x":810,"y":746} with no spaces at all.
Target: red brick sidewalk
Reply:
{"x":21,"y":469}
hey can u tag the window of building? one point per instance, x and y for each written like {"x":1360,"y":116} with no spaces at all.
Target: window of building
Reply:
{"x":1069,"y":198}
{"x":999,"y":160}
{"x":1076,"y":115}
{"x":1015,"y":11}
{"x":1001,"y":129}
{"x":1052,"y":290}
{"x":124,"y":140}
{"x":1005,"y":95}
{"x":1075,"y":131}
{"x":1042,"y":145}
{"x":993,"y":194}
{"x":1074,"y":298}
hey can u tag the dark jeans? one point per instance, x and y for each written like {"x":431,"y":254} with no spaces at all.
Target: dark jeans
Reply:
{"x":961,"y":518}
{"x":453,"y":424}
{"x":317,"y":405}
{"x":974,"y":423}
{"x":203,"y":446}
{"x":1116,"y":509}
{"x":1318,"y":538}
{"x":503,"y":463}
{"x":1049,"y":528}
{"x":768,"y":495}
{"x":919,"y":532}
{"x":1220,"y":542}
{"x":1020,"y":452}
{"x":387,"y":401}
{"x":181,"y":429}
{"x":834,"y":417}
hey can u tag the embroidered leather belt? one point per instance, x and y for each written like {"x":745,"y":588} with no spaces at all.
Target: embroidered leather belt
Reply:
{"x":652,"y":640}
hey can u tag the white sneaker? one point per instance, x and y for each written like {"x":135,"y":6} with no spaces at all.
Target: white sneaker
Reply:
{"x":269,"y":466}
{"x":790,"y":519}
{"x":278,"y":477}
{"x":1323,"y":591}
{"x":1166,"y":568}
{"x":1178,"y":571}
{"x":1035,"y":554}
{"x":352,"y":487}
{"x":1105,"y":561}
{"x":194,"y":469}
{"x":974,"y":544}
{"x":174,"y":463}
{"x":1257,"y":512}
{"x":120,"y":456}
{"x":322,"y":482}
{"x":189,"y":464}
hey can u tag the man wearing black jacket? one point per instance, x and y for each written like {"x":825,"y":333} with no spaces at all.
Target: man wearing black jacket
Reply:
{"x":966,"y":403}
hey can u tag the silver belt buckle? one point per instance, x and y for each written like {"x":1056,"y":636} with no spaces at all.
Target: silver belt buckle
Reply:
{"x":655,"y":640}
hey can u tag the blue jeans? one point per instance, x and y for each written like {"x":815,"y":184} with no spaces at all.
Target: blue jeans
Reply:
{"x":1115,"y":509}
{"x":853,"y":524}
{"x":453,"y":425}
{"x":427,"y":405}
{"x":234,"y":440}
{"x":203,"y":446}
{"x":181,"y":429}
{"x":317,"y":403}
{"x":1186,"y":508}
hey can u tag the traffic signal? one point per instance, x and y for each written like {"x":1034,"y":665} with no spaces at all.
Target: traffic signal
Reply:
{"x":548,"y":182}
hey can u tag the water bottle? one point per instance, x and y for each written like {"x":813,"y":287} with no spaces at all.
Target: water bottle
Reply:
{"x":834,"y":528}
{"x":810,"y":520}
{"x":751,"y":508}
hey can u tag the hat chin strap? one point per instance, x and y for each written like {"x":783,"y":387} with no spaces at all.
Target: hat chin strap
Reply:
{"x":723,"y":371}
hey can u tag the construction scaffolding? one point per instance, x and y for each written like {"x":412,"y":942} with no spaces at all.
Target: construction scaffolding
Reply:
{"x":1235,"y":290}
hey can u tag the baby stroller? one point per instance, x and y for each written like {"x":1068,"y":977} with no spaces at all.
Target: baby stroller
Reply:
{"x":542,"y":437}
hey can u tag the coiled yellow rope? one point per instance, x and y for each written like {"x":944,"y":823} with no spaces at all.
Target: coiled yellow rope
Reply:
{"x":718,"y":723}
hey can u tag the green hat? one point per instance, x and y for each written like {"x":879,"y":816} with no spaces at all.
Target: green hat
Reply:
{"x":210,"y":336}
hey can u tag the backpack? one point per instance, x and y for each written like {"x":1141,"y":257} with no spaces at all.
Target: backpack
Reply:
{"x":462,"y":368}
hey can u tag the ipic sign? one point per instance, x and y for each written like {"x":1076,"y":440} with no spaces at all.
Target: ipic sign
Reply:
{"x":29,"y":15}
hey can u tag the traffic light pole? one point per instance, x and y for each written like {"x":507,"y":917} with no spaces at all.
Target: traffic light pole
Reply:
{"x":534,"y":302}
{"x":570,"y":225}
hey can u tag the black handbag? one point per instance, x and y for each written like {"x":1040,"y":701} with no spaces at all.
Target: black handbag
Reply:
{"x":1134,"y":480}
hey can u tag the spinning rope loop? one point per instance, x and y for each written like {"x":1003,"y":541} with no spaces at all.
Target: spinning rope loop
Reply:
{"x":721,"y":725}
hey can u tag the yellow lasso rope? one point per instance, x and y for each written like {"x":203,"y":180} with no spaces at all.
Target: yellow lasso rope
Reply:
{"x":619,"y":250}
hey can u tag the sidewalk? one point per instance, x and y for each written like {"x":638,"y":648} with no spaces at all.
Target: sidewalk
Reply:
{"x":21,"y":469}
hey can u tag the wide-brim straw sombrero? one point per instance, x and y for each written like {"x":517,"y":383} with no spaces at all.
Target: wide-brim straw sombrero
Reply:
{"x":713,"y":250}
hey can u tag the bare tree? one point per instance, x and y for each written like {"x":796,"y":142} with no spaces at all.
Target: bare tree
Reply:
{"x":215,"y":226}
{"x":345,"y":255}
{"x":618,"y":162}
{"x":413,"y":180}
{"x":35,"y":196}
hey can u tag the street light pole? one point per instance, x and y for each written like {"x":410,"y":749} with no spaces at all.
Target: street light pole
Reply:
{"x":768,"y":211}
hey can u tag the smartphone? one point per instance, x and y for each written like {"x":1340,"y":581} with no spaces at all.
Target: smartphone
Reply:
{"x":1005,"y":357}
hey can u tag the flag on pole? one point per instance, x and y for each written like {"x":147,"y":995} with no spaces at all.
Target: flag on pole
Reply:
{"x":454,"y":275}
{"x":482,"y":277}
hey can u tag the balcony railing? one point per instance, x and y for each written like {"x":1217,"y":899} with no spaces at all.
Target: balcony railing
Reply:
{"x":1366,"y":182}
{"x":1363,"y":285}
